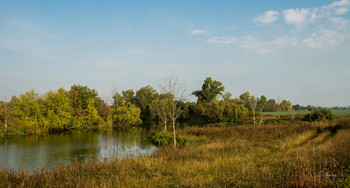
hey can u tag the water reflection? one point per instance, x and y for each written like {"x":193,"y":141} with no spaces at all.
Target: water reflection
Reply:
{"x":52,"y":150}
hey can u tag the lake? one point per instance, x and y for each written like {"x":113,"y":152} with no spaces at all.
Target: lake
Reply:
{"x":32,"y":152}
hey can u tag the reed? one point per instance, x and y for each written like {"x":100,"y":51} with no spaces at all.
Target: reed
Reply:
{"x":303,"y":155}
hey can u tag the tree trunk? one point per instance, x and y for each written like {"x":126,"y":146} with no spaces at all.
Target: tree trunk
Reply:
{"x":260,"y":117}
{"x":165,"y":124}
{"x":254,"y":116}
{"x":174,"y":134}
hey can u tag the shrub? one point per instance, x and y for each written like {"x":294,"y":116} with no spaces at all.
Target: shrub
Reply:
{"x":319,"y":115}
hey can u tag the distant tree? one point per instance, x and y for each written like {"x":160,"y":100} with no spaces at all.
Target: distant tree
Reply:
{"x":214,"y":110}
{"x":271,"y":106}
{"x":91,"y":114}
{"x":178,"y":103}
{"x":144,"y":97}
{"x":227,"y":96}
{"x":262,"y":103}
{"x":210,"y":89}
{"x":127,"y":114}
{"x":117,"y":98}
{"x":253,"y":102}
{"x":245,"y":99}
{"x":296,"y":107}
{"x":319,"y":115}
{"x":29,"y":108}
{"x":128,"y":96}
{"x":58,"y":111}
{"x":234,"y":111}
{"x":159,"y":108}
{"x":80,"y":95}
{"x":286,"y":105}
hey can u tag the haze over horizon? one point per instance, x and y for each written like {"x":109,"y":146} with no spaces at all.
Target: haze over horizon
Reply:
{"x":298,"y":50}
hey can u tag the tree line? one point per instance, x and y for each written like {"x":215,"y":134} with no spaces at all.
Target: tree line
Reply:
{"x":82,"y":108}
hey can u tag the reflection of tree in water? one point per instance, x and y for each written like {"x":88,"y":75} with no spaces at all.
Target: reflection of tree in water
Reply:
{"x":36,"y":151}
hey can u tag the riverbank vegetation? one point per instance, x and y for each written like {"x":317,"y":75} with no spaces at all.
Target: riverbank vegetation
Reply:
{"x":306,"y":154}
{"x":82,"y":108}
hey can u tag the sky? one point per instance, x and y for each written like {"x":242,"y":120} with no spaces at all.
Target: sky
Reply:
{"x":296,"y":50}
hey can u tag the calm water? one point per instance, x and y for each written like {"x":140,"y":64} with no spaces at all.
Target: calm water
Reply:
{"x":32,"y":152}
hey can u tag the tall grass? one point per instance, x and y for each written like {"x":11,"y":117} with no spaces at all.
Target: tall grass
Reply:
{"x":303,"y":155}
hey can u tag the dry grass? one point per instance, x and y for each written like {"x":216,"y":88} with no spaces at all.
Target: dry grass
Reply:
{"x":307,"y":155}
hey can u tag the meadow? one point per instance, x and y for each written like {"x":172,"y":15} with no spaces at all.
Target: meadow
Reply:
{"x":308,"y":155}
{"x":303,"y":112}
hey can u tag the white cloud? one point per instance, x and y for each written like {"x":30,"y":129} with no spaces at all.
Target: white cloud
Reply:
{"x":296,"y":16}
{"x":269,"y":17}
{"x":223,"y":40}
{"x":327,"y":38}
{"x":341,"y":10}
{"x":197,"y":32}
{"x":255,"y":45}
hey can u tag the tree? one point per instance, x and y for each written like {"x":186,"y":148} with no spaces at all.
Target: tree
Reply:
{"x":178,"y":100}
{"x":234,"y":111}
{"x":245,"y":99}
{"x":253,"y":102}
{"x":127,"y":114}
{"x":227,"y":96}
{"x":214,"y":110}
{"x":128,"y":96}
{"x":286,"y":105}
{"x":58,"y":111}
{"x":80,"y":95}
{"x":319,"y":115}
{"x":159,"y":108}
{"x":144,"y":97}
{"x":262,"y":102}
{"x":210,"y":89}
{"x":271,"y":106}
{"x":29,"y":108}
{"x":91,"y":114}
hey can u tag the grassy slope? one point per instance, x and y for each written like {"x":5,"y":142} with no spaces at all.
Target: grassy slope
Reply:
{"x":260,"y":156}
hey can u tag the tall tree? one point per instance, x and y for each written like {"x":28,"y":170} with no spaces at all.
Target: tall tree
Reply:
{"x":214,"y":110}
{"x":262,"y":102}
{"x":178,"y":100}
{"x":58,"y":111}
{"x":253,"y":102}
{"x":127,"y":114}
{"x":210,"y":89}
{"x":91,"y":114}
{"x":159,"y":108}
{"x":143,"y":98}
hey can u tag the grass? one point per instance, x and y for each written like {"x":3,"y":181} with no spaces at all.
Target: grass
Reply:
{"x":293,"y":155}
{"x":303,"y":112}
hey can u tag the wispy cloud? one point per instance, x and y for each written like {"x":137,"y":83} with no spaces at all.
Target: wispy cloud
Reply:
{"x":269,"y":17}
{"x":197,"y":32}
{"x":296,"y":16}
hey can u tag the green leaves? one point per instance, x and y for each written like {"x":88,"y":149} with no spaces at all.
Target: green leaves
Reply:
{"x":127,"y":114}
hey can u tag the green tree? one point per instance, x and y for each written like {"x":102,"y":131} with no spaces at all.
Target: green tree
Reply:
{"x":80,"y":96}
{"x":91,"y":114}
{"x":159,"y":109}
{"x":144,"y":97}
{"x":271,"y":106}
{"x":319,"y":115}
{"x":210,"y":89}
{"x":214,"y":110}
{"x":127,"y":114}
{"x":58,"y":110}
{"x":235,"y":111}
{"x":262,"y":102}
{"x":178,"y":103}
{"x":286,"y":105}
{"x":245,"y":99}
{"x":128,"y":96}
{"x":29,"y":108}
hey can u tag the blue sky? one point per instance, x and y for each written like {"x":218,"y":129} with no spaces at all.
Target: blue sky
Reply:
{"x":297,"y":50}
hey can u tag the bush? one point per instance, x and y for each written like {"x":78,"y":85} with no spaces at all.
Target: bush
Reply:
{"x":319,"y":115}
{"x":162,"y":138}
{"x":165,"y":138}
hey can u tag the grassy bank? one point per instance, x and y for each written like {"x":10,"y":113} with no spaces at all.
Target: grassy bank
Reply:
{"x":308,"y":154}
{"x":304,"y":112}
